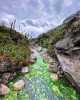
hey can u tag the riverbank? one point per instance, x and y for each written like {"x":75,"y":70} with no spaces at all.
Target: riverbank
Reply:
{"x":40,"y":85}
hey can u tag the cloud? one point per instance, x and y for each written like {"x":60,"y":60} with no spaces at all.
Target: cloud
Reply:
{"x":35,"y":26}
{"x":37,"y":16}
{"x":7,"y":18}
{"x":68,"y":2}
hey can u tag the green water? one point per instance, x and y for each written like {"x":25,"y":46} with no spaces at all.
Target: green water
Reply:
{"x":39,"y":85}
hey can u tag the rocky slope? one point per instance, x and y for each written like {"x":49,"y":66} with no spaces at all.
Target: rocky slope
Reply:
{"x":14,"y":54}
{"x":63,"y":43}
{"x":68,"y":50}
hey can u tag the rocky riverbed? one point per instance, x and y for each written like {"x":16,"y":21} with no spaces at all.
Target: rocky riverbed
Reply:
{"x":39,"y":83}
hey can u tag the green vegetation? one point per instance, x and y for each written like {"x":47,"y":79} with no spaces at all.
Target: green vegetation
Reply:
{"x":51,"y":36}
{"x":14,"y":44}
{"x":60,"y":88}
{"x":48,"y":39}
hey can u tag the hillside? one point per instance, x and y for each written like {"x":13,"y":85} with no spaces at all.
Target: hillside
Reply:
{"x":14,"y":53}
{"x":14,"y":44}
{"x":51,"y":37}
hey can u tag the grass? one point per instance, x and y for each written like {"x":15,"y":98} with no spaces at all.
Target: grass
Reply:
{"x":16,"y":45}
{"x":20,"y":51}
{"x":47,"y":40}
{"x":16,"y":52}
{"x":52,"y":36}
{"x":60,"y":88}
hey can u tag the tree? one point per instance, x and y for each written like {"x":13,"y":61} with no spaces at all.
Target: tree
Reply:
{"x":12,"y":26}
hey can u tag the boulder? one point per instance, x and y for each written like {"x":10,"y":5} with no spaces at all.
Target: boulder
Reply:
{"x":19,"y":85}
{"x":67,"y":50}
{"x":5,"y":65}
{"x":8,"y":68}
{"x":7,"y":76}
{"x":4,"y":90}
{"x":71,"y":69}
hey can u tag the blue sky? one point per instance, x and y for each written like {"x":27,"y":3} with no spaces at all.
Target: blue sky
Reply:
{"x":36,"y":16}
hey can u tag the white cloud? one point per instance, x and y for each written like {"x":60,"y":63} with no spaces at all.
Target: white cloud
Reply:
{"x":36,"y":16}
{"x":6,"y":18}
{"x":68,"y":2}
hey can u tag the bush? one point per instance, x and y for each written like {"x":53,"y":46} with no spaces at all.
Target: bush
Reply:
{"x":17,"y":50}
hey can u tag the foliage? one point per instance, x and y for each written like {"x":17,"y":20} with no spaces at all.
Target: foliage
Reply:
{"x":16,"y":45}
{"x":52,"y":36}
{"x":47,"y":40}
{"x":60,"y":88}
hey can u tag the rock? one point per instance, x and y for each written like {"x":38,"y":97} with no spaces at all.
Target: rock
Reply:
{"x":5,"y":65}
{"x":4,"y":90}
{"x":64,"y":44}
{"x":8,"y":68}
{"x":51,"y":60}
{"x":19,"y":85}
{"x":39,"y":49}
{"x":70,"y":18}
{"x":54,"y":76}
{"x":33,"y":56}
{"x":32,"y":59}
{"x":53,"y":68}
{"x":71,"y":69}
{"x":25,"y":70}
{"x":68,"y":50}
{"x":7,"y":76}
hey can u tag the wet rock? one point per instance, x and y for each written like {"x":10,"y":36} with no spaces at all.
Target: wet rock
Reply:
{"x":4,"y":90}
{"x":25,"y":70}
{"x":19,"y":85}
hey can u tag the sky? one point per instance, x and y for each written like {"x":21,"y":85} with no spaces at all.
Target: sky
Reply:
{"x":36,"y":16}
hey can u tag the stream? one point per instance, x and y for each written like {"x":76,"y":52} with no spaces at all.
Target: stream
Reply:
{"x":39,"y":84}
